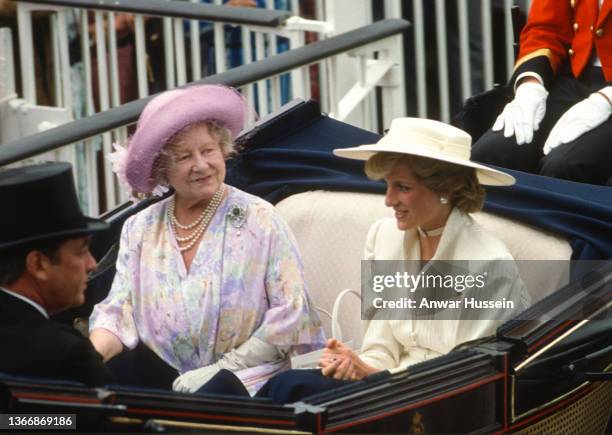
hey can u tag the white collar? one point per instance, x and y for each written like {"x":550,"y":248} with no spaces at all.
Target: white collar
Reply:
{"x":29,"y":301}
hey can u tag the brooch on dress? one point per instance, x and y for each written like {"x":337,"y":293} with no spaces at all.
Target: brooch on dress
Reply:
{"x":237,"y":216}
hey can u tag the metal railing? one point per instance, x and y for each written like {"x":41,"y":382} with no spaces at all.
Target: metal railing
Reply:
{"x":468,"y":66}
{"x":456,"y":80}
{"x":262,"y":24}
{"x":176,"y":17}
{"x":441,"y":71}
{"x":376,"y":40}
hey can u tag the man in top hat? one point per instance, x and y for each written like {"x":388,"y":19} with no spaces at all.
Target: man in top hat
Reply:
{"x":44,"y":267}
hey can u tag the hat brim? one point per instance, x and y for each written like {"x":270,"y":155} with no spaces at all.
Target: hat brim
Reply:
{"x":89,"y":226}
{"x":486,"y":176}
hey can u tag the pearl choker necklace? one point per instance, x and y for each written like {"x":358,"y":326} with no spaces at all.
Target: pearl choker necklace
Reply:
{"x":430,"y":233}
{"x":199,"y":225}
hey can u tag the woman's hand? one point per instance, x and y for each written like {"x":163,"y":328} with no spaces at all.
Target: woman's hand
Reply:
{"x":193,"y":380}
{"x":106,"y":343}
{"x":340,"y":362}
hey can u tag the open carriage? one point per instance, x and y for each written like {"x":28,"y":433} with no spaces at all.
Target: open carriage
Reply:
{"x":545,"y":371}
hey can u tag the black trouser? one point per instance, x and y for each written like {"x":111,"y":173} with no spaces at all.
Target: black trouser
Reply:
{"x":588,"y":159}
{"x":285,"y":387}
{"x":142,"y":367}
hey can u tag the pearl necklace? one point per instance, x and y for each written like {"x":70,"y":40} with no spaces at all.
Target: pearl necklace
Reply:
{"x":199,"y":225}
{"x":430,"y":233}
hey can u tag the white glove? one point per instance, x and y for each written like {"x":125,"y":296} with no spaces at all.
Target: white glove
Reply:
{"x":192,"y":380}
{"x":522,"y":116}
{"x":580,"y":118}
{"x":251,"y":353}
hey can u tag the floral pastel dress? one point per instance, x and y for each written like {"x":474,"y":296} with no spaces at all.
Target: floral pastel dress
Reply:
{"x":245,"y":279}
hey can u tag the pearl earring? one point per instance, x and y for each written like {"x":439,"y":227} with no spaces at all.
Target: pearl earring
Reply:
{"x":443,"y":200}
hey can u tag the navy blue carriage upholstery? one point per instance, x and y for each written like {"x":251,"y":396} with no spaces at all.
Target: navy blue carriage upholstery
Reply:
{"x":293,"y":153}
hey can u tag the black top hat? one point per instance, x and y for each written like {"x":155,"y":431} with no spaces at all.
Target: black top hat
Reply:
{"x":39,"y":203}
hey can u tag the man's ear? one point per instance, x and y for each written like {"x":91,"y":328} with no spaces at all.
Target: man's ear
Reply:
{"x":37,"y":264}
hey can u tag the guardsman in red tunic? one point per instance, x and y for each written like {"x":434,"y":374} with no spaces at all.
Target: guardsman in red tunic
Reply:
{"x":558,"y":123}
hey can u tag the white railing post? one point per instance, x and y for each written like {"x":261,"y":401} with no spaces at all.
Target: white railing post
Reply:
{"x":91,"y":144}
{"x":442,"y":61}
{"x":331,"y":64}
{"x":295,"y":7}
{"x":169,"y":53}
{"x":275,"y":85}
{"x":142,"y":60}
{"x":102,"y":66}
{"x":64,"y":59}
{"x":86,"y":58}
{"x":7,"y":81}
{"x":509,"y":37}
{"x":119,"y":135}
{"x":220,"y":55}
{"x":419,"y":58}
{"x":394,"y":86}
{"x":464,"y":50}
{"x":297,"y":79}
{"x":64,"y":97}
{"x":26,"y":52}
{"x":487,"y":43}
{"x":56,"y":65}
{"x":247,"y":58}
{"x":179,"y":44}
{"x":115,"y":79}
{"x":7,"y":69}
{"x":322,"y":66}
{"x":262,"y":92}
{"x":103,"y":94}
{"x":196,"y":56}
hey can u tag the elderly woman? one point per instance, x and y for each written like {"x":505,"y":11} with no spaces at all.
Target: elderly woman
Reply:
{"x":433,"y":187}
{"x":210,"y":277}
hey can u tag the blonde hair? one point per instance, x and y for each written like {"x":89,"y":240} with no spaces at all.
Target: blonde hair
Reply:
{"x":217,"y":131}
{"x":459,"y":182}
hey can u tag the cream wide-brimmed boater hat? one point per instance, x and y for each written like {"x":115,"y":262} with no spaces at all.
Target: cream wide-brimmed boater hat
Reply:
{"x":431,"y":139}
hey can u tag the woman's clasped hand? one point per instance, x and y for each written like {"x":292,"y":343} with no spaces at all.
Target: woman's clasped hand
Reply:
{"x":340,"y":362}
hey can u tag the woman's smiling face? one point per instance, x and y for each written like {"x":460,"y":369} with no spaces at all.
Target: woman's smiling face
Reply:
{"x":414,"y":204}
{"x":197,"y":168}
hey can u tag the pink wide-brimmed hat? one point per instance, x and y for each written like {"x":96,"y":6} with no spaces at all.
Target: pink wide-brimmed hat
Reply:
{"x":169,"y":113}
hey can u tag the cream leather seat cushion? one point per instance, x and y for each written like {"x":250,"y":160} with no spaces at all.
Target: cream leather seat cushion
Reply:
{"x":331,"y":228}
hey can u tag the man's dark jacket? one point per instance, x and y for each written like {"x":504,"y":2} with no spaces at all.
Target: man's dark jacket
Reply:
{"x":33,"y":345}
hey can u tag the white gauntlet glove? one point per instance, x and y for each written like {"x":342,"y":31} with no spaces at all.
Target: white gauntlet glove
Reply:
{"x":192,"y":380}
{"x":251,"y":353}
{"x":522,"y":116}
{"x":580,"y":118}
